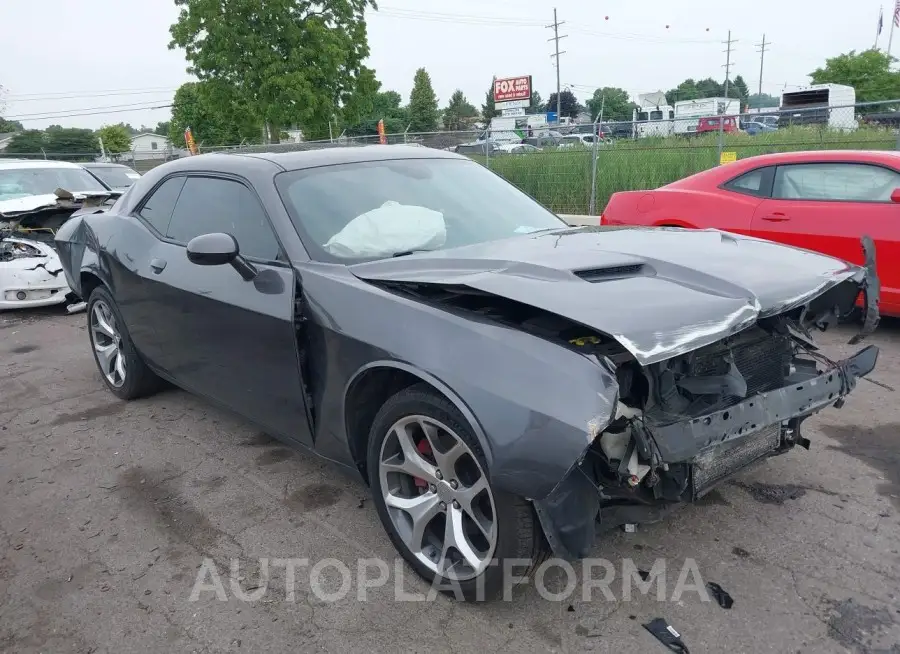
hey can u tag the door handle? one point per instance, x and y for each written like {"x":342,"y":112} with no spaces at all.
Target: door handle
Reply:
{"x":776,"y":217}
{"x":157,"y":265}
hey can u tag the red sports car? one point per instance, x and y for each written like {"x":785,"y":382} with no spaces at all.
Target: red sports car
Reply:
{"x":823,"y":201}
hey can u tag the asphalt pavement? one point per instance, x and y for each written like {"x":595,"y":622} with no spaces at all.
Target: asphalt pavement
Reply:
{"x":167,"y":525}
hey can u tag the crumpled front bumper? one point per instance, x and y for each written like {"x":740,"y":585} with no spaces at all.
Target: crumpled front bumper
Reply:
{"x":570,"y":513}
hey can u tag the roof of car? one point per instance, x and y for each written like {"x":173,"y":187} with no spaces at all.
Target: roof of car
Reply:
{"x":13,"y":164}
{"x":822,"y":155}
{"x":102,"y":164}
{"x":299,"y":160}
{"x":719,"y":174}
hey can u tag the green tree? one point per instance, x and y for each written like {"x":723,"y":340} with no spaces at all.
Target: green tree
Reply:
{"x":488,"y":110}
{"x":10,"y":126}
{"x":568,"y":104}
{"x":27,"y":142}
{"x":740,"y":90}
{"x":710,"y":88}
{"x":162,"y":128}
{"x":617,"y":104}
{"x":216,"y":113}
{"x":116,"y":138}
{"x":291,"y":60}
{"x":759,"y":100}
{"x":423,"y":104}
{"x":687,"y":90}
{"x":537,"y":104}
{"x":71,"y":143}
{"x":359,"y":103}
{"x":458,"y":111}
{"x":868,"y":72}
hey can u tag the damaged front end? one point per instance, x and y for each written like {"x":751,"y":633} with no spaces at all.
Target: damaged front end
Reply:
{"x":685,"y":424}
{"x":31,"y":274}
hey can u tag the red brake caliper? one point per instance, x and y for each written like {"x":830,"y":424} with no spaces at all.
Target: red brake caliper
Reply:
{"x":424,"y":447}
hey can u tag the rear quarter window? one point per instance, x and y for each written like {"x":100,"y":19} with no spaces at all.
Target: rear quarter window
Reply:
{"x":756,"y":182}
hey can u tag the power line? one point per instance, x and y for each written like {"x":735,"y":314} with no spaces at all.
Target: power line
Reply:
{"x":468,"y":19}
{"x":50,"y":114}
{"x":762,"y":57}
{"x":88,"y":95}
{"x":556,"y":37}
{"x":92,"y":113}
{"x":20,"y":97}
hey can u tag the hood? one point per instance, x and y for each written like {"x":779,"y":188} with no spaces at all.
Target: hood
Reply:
{"x":60,"y":199}
{"x":659,"y":292}
{"x":27,"y":204}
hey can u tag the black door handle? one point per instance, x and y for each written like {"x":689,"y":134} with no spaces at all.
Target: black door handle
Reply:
{"x":157,"y":265}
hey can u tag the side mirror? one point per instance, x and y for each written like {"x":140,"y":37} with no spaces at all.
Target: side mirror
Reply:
{"x":218,"y":249}
{"x":895,"y":195}
{"x":212,"y":249}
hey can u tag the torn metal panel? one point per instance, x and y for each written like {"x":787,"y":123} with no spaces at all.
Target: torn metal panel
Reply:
{"x":658,"y":296}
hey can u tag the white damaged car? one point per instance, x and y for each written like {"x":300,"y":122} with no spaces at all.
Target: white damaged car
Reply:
{"x":36,"y":198}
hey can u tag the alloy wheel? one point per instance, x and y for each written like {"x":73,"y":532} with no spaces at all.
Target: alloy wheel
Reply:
{"x":438,"y":497}
{"x":107,"y":342}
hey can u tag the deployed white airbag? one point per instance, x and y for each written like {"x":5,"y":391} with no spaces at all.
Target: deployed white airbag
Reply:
{"x":392,"y":227}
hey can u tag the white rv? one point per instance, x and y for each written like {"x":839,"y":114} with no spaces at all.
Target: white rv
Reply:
{"x":689,"y":112}
{"x":653,"y":117}
{"x":831,"y":105}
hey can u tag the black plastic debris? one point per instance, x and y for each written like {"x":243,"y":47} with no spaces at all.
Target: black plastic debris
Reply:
{"x":666,"y":634}
{"x":722,"y":597}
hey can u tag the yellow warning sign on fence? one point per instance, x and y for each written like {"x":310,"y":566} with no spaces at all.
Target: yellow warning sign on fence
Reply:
{"x":727,"y":157}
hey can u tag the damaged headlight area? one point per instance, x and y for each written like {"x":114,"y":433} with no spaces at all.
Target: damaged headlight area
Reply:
{"x":686,"y":424}
{"x":12,"y":250}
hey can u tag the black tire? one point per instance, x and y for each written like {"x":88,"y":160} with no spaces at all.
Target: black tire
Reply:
{"x":139,"y":381}
{"x":519,"y":534}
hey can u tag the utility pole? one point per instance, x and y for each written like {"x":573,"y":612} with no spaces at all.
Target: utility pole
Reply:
{"x":727,"y":65}
{"x":721,"y":137}
{"x":762,"y":58}
{"x":556,"y":37}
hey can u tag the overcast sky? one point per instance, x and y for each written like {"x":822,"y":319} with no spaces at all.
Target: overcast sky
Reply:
{"x":97,"y":56}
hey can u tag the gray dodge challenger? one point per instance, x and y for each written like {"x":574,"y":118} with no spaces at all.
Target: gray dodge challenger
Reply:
{"x":507,"y":386}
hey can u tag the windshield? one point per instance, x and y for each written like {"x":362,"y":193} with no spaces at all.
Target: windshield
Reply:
{"x":376,"y":209}
{"x":24,"y":182}
{"x":115,"y":177}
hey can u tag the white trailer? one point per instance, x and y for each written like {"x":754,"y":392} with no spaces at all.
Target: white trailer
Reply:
{"x":831,"y":105}
{"x":653,"y":117}
{"x":689,"y":112}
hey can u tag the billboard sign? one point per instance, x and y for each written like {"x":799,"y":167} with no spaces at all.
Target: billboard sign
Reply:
{"x":512,"y":88}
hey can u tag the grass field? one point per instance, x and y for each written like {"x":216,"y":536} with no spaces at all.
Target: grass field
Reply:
{"x":561,"y":180}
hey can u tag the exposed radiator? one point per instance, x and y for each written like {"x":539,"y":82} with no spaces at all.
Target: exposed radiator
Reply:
{"x":716,"y":463}
{"x":762,"y":358}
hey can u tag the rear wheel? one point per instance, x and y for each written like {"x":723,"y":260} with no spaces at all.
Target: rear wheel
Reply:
{"x":434,"y":497}
{"x":121,"y":367}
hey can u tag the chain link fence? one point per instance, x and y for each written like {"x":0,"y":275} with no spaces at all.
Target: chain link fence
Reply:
{"x":575,"y":169}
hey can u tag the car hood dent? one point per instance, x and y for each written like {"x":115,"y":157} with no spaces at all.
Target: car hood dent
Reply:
{"x":659,"y":293}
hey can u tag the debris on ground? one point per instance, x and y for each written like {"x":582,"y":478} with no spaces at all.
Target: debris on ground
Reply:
{"x":722,"y":597}
{"x":666,"y":634}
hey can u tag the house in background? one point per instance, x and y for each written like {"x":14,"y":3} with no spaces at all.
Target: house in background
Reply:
{"x":150,"y":146}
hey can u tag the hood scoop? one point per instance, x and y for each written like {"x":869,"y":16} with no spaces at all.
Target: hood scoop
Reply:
{"x":594,"y":275}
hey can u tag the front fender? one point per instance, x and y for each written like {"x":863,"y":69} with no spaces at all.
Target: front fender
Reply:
{"x":536,"y":404}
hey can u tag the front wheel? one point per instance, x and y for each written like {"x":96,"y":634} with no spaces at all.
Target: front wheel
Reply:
{"x":429,"y":479}
{"x":122,"y":369}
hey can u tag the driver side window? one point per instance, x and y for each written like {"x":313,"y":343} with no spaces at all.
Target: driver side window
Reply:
{"x":848,"y":182}
{"x":210,"y":204}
